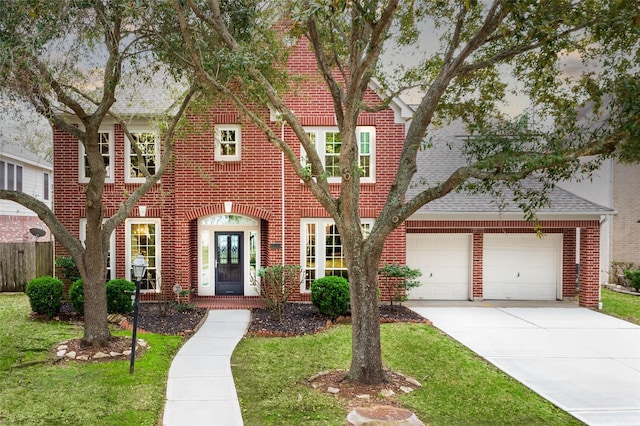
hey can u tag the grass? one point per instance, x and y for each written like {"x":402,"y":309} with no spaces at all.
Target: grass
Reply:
{"x":624,"y":306}
{"x":35,"y":391}
{"x":458,"y":388}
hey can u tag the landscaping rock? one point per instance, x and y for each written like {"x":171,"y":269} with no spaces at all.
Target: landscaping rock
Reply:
{"x":71,"y":355}
{"x":387,"y":393}
{"x":382,"y":415}
{"x":406,"y":389}
{"x":61,"y":353}
{"x":333,"y":390}
{"x":100,"y":355}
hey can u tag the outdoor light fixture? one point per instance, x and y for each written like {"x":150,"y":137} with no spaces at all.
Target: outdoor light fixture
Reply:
{"x":139,"y":267}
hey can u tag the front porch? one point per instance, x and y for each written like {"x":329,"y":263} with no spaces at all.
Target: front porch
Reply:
{"x":228,"y":302}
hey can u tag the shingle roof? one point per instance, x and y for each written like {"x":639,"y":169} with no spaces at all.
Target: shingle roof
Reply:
{"x":17,"y":152}
{"x":443,"y":156}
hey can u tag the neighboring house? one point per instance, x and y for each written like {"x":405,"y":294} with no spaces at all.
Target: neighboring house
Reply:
{"x":613,"y":184}
{"x":230,"y":204}
{"x":22,"y":170}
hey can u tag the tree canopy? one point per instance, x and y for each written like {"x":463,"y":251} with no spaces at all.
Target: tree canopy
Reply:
{"x":463,"y":58}
{"x":70,"y":60}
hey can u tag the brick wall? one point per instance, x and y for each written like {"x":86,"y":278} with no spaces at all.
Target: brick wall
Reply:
{"x":195,"y":185}
{"x":15,"y":229}
{"x":589,"y":272}
{"x":625,"y":241}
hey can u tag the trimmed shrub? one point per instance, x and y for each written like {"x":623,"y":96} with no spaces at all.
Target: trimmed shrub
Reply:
{"x":45,"y":295}
{"x":330,"y":295}
{"x":119,"y":302}
{"x":634,"y":278}
{"x":76,"y":294}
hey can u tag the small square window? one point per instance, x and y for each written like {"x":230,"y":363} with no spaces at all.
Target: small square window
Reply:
{"x":228,"y":144}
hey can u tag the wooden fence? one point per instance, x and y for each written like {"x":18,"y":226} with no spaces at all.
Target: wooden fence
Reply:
{"x":21,"y":262}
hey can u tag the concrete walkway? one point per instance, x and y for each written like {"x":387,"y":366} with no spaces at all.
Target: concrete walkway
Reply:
{"x":585,"y":362}
{"x":200,"y":388}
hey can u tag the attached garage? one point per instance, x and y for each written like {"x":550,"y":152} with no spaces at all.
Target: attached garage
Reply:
{"x":444,"y":260}
{"x":522,"y":267}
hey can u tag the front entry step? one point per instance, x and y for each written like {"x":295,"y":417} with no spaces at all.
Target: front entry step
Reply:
{"x":228,"y":302}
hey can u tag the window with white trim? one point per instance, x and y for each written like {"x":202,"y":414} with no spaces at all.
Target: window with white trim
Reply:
{"x":10,"y":176}
{"x":147,"y":142}
{"x":322,"y":253}
{"x":228,"y":143}
{"x":105,"y":146}
{"x":328,"y":144}
{"x":143,"y":237}
{"x":111,"y":265}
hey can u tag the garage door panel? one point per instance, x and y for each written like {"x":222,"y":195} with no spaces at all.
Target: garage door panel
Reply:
{"x":443,"y":260}
{"x":521,"y":267}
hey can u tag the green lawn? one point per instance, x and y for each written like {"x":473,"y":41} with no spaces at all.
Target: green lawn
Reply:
{"x":35,"y":391}
{"x":459,"y":388}
{"x":621,"y":305}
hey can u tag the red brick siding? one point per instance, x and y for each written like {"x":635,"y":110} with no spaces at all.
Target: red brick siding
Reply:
{"x":589,"y":272}
{"x":477,"y":265}
{"x":569,"y":263}
{"x":195,"y":185}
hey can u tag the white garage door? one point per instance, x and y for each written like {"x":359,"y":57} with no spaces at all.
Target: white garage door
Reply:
{"x":443,"y":260}
{"x":521,"y":266}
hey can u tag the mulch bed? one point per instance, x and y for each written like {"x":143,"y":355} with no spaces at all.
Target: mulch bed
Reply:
{"x":303,"y":318}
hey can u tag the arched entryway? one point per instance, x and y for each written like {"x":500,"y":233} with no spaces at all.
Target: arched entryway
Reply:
{"x":228,"y":255}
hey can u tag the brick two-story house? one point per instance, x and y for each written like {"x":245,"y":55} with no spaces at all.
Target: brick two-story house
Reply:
{"x":230,"y":204}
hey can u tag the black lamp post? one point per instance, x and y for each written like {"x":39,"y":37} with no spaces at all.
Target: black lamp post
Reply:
{"x":139,"y":267}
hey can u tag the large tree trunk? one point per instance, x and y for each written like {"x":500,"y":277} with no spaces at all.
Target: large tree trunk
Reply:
{"x":366,"y":357}
{"x":93,"y":267}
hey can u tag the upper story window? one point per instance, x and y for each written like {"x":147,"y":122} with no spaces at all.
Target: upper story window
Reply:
{"x":228,"y":143}
{"x":147,"y":142}
{"x":105,"y":146}
{"x":328,"y":144}
{"x":45,"y":186}
{"x":10,"y":176}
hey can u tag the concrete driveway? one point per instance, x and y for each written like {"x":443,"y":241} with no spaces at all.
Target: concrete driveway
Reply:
{"x":585,"y":362}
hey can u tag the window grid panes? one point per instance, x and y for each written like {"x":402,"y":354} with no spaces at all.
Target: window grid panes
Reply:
{"x":365,"y":154}
{"x":328,"y":144}
{"x":228,"y":142}
{"x":146,"y":142}
{"x":333,"y":144}
{"x":310,"y":255}
{"x":323,"y":253}
{"x":104,"y":145}
{"x":143,"y":240}
{"x":335,"y":263}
